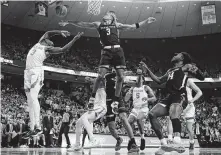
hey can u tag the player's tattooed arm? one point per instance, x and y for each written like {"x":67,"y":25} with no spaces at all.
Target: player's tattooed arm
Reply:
{"x":159,"y":80}
{"x":125,"y":27}
{"x":128,"y":94}
{"x":58,"y":50}
{"x":49,"y":34}
{"x":89,"y":25}
{"x":152,"y":98}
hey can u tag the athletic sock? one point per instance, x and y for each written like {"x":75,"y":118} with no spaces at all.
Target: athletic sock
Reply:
{"x":142,"y":136}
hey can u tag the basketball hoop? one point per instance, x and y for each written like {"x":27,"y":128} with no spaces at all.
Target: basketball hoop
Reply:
{"x":94,"y":7}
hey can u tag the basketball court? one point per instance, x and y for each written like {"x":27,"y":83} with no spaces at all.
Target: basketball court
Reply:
{"x":100,"y":151}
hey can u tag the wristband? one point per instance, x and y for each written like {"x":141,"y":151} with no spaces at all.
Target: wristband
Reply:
{"x":137,"y":25}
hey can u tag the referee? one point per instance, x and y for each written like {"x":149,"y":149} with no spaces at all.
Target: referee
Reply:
{"x":65,"y":126}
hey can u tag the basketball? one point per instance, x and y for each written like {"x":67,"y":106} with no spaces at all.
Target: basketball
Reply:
{"x":61,"y":11}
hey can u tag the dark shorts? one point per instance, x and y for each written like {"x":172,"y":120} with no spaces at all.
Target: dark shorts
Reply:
{"x":173,"y":98}
{"x":110,"y":115}
{"x":113,"y":57}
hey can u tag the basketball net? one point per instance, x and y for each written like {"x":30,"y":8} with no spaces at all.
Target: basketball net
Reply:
{"x":94,"y":7}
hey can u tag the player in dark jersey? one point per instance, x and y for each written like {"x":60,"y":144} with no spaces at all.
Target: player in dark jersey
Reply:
{"x":171,"y":105}
{"x":111,"y":54}
{"x":112,"y":111}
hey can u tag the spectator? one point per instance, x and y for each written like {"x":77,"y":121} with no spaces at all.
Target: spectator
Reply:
{"x":48,"y":125}
{"x":21,"y":128}
{"x":10,"y":132}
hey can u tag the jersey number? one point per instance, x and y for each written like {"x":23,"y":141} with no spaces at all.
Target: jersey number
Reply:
{"x":170,"y":77}
{"x":137,"y":95}
{"x":108,"y":31}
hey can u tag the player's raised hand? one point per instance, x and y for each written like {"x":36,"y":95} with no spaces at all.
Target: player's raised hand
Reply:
{"x":65,"y":33}
{"x":78,"y":35}
{"x":63,"y":23}
{"x":143,"y":65}
{"x":151,"y":20}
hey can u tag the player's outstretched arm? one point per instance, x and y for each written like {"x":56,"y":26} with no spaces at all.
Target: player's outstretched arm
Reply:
{"x":192,"y":68}
{"x":125,"y":27}
{"x":58,"y":50}
{"x":155,"y":78}
{"x":88,"y":25}
{"x":152,"y":98}
{"x":49,"y":34}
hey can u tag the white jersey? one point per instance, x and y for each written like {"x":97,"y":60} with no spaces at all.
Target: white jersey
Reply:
{"x":36,"y":56}
{"x":140,"y":97}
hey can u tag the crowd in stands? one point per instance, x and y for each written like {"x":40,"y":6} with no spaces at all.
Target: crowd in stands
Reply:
{"x":16,"y":47}
{"x":14,"y":110}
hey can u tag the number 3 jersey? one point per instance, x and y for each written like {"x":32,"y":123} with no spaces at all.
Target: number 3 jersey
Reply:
{"x":36,"y":56}
{"x":109,"y":34}
{"x":140,"y":97}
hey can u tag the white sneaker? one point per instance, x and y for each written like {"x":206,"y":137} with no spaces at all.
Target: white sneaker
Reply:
{"x":93,"y":143}
{"x":23,"y":146}
{"x":76,"y":147}
{"x":160,"y":151}
{"x":173,"y":147}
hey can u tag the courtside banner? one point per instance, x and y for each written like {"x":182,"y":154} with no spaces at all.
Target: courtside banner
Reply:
{"x":107,"y":141}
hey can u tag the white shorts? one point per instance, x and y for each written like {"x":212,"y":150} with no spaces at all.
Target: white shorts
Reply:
{"x":33,"y":77}
{"x":140,"y":113}
{"x":190,"y":113}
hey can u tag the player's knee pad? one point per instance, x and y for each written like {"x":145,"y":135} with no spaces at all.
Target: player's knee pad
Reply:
{"x":176,"y":125}
{"x":175,"y":111}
